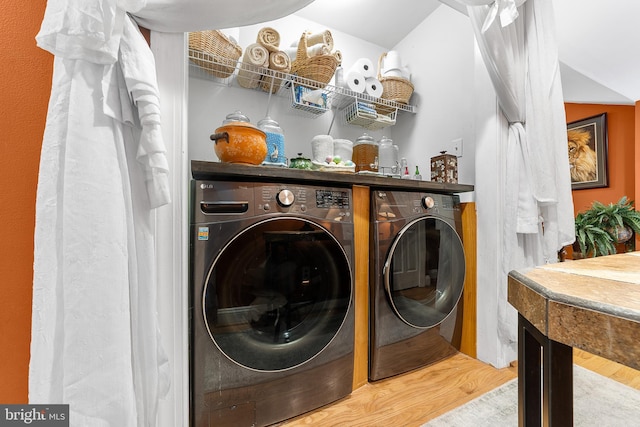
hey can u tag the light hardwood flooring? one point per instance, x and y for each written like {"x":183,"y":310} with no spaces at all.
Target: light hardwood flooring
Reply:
{"x":615,"y":371}
{"x":414,"y":398}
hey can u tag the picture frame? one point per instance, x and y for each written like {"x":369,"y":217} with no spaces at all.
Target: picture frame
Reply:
{"x":587,"y":145}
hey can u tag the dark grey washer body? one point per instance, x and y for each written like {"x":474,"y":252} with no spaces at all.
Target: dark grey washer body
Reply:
{"x":225,"y":391}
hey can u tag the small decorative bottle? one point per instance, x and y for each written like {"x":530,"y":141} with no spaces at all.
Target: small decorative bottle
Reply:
{"x":405,"y":169}
{"x":417,"y":174}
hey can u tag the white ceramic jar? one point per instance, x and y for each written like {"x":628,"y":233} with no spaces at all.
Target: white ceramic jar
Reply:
{"x":343,"y":148}
{"x":321,"y":148}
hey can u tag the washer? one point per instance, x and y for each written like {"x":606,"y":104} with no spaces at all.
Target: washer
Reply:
{"x":271,"y":301}
{"x":416,"y":280}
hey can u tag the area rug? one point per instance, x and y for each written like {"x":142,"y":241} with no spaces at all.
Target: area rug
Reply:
{"x":597,"y":401}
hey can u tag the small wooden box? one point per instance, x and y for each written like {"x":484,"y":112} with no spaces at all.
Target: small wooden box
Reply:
{"x":444,"y":168}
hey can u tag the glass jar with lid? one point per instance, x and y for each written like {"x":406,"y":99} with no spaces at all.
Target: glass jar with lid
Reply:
{"x":365,"y":153}
{"x":388,"y":157}
{"x":236,"y":116}
{"x":275,"y":142}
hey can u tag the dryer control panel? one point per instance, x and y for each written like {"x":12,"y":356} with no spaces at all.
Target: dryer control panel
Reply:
{"x":404,"y":204}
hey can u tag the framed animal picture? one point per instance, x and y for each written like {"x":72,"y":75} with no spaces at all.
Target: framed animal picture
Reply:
{"x":587,"y":144}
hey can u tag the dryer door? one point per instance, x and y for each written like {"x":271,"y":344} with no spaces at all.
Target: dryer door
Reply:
{"x":424,"y":272}
{"x":277,"y":294}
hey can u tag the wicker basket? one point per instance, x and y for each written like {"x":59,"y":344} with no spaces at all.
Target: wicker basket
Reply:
{"x":395,"y":89}
{"x":319,"y":68}
{"x":214,"y":52}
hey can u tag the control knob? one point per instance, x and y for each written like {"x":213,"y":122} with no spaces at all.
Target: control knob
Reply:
{"x":428,"y":202}
{"x":285,"y":198}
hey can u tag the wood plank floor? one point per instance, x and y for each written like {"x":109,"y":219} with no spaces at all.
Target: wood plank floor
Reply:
{"x":414,"y":398}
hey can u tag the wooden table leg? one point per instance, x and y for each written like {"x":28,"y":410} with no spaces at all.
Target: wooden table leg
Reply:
{"x":545,"y":379}
{"x":557,"y":394}
{"x":529,"y":379}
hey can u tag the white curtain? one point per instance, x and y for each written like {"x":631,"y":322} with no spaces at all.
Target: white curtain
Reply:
{"x":172,"y":16}
{"x":518,"y":45}
{"x":95,"y":341}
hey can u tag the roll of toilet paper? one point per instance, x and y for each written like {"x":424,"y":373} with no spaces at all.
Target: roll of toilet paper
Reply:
{"x":365,"y":67}
{"x":355,"y":81}
{"x":373,"y":87}
{"x":321,"y":148}
{"x":391,"y":60}
{"x":394,"y":72}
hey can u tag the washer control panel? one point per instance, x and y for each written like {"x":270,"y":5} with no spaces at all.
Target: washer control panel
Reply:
{"x":285,"y":198}
{"x":238,"y":199}
{"x":305,"y":199}
{"x":428,"y":202}
{"x":333,"y":199}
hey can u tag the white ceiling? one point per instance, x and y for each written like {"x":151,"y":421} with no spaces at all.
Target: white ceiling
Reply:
{"x":598,"y":44}
{"x":382,"y":22}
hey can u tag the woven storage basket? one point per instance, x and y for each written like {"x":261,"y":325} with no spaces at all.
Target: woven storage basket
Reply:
{"x":319,"y":68}
{"x":215,"y":52}
{"x":396,"y":89}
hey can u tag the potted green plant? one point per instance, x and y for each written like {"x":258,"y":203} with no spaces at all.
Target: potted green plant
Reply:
{"x":590,"y":238}
{"x":599,"y":228}
{"x":619,"y":219}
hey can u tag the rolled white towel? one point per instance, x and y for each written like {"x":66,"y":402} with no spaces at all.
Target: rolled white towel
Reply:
{"x":323,"y":37}
{"x":254,"y":59}
{"x":318,"y":49}
{"x":315,"y":50}
{"x":278,"y":61}
{"x":338,"y":55}
{"x":269,"y":38}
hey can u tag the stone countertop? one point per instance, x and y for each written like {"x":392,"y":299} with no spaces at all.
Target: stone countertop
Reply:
{"x":238,"y":172}
{"x":592,"y":304}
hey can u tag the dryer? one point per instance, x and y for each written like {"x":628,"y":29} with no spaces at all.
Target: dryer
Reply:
{"x":271,"y":301}
{"x":416,"y":280}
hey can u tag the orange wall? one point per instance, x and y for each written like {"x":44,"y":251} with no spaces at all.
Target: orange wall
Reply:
{"x":637,"y":162}
{"x":622,"y":139}
{"x":25,"y":84}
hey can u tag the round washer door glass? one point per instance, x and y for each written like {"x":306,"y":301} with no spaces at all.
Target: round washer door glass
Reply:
{"x":277,"y":294}
{"x":424,"y":272}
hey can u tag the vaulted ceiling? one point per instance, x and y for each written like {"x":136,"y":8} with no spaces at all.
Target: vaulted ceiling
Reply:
{"x":598,"y":41}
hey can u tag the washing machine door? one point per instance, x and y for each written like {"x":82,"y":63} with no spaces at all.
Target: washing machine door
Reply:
{"x":277,"y":294}
{"x":424,"y":272}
